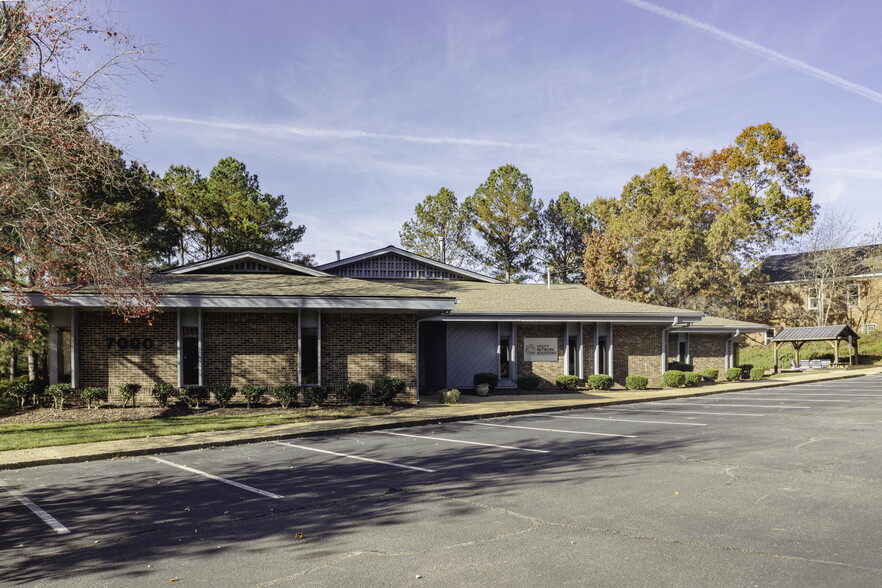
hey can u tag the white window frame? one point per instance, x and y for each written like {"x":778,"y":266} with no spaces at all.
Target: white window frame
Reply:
{"x":816,"y":297}
{"x":849,"y":298}
{"x":869,"y":327}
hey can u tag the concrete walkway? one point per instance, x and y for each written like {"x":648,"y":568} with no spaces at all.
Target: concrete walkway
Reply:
{"x":430,"y":411}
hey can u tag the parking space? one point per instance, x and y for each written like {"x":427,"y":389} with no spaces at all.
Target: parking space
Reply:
{"x":109,"y":501}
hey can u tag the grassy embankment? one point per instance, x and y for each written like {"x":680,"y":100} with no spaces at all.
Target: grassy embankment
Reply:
{"x":26,"y":436}
{"x":869,"y":347}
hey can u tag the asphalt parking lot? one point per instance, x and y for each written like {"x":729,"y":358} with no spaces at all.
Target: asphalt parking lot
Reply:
{"x":767,"y":487}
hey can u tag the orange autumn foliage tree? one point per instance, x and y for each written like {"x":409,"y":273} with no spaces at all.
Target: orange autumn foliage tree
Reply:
{"x":693,"y":237}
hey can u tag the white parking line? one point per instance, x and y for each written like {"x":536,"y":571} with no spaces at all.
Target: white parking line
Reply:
{"x":44,"y":516}
{"x":546,"y":430}
{"x":464,"y":442}
{"x":791,"y":399}
{"x":739,"y":405}
{"x":563,"y":416}
{"x":358,"y":457}
{"x":674,"y":409}
{"x":218,"y":478}
{"x":819,"y":394}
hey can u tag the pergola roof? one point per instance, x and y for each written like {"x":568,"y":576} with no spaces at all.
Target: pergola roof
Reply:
{"x":831,"y":333}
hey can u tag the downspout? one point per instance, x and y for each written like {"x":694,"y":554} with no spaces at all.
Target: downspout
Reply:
{"x":664,"y":344}
{"x":730,"y":344}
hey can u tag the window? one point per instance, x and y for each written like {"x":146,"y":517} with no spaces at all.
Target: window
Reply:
{"x":504,"y":358}
{"x":869,"y":327}
{"x":853,"y":294}
{"x":64,"y":360}
{"x":309,"y":348}
{"x":813,"y":298}
{"x":573,"y":356}
{"x":190,"y":356}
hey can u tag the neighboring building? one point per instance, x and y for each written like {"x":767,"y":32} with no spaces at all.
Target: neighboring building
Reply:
{"x":249,"y":318}
{"x":826,"y":287}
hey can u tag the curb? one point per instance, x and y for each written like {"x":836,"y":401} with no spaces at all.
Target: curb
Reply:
{"x":236,"y":436}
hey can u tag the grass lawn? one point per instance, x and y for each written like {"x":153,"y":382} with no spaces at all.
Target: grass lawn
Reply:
{"x":26,"y":436}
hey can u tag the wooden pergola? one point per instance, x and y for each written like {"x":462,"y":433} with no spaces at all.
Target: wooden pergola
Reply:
{"x":799,"y":336}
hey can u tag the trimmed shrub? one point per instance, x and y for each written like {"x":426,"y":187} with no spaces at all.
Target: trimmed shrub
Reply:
{"x":733,"y":374}
{"x":286,"y":394}
{"x":710,"y":375}
{"x":193,"y":395}
{"x":59,"y":393}
{"x":253,"y":393}
{"x":223,"y":394}
{"x":314,"y":395}
{"x":567,"y":382}
{"x":161,"y":392}
{"x":745,"y":370}
{"x":636,"y":382}
{"x":692,"y":378}
{"x":21,"y":391}
{"x":486,"y":378}
{"x":529,"y":382}
{"x":600,"y":382}
{"x":680,"y":367}
{"x":354,"y":392}
{"x":128,"y":392}
{"x":673,"y":378}
{"x":385,"y":389}
{"x":450,"y":396}
{"x":93,"y":394}
{"x":757,"y":373}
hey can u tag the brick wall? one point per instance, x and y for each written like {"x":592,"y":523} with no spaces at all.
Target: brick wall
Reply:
{"x":362,"y":347}
{"x":249,"y":348}
{"x":547,"y":370}
{"x":637,"y":352}
{"x":708,"y":352}
{"x":113,"y":352}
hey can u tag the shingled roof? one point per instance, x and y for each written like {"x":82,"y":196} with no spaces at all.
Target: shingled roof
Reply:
{"x":790,"y":267}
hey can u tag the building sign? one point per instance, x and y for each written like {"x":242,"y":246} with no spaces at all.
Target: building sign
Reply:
{"x":540,"y":349}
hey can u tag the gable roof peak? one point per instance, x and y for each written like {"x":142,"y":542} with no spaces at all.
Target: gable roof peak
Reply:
{"x":245,"y":262}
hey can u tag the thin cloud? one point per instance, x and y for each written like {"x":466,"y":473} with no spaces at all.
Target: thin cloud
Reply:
{"x":340,"y":134}
{"x":765,"y":52}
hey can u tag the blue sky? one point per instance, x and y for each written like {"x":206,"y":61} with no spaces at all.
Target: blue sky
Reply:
{"x":357,"y":110}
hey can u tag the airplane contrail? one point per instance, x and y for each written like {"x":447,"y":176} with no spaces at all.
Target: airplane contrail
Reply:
{"x":765,"y":52}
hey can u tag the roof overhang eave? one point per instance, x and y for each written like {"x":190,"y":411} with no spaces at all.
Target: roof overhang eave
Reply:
{"x":262,"y":302}
{"x":569,"y":317}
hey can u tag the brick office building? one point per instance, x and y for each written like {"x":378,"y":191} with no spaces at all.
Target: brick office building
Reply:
{"x":251,"y":319}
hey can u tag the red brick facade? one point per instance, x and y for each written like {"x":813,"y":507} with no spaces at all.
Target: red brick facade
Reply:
{"x":249,"y":348}
{"x":547,"y":370}
{"x":708,"y":352}
{"x":113,"y":352}
{"x":362,"y":347}
{"x":587,"y":349}
{"x":637,"y":352}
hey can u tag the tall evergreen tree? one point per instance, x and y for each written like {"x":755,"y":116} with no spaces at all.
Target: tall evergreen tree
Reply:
{"x":440,"y":229}
{"x":505,"y":215}
{"x":563,"y":225}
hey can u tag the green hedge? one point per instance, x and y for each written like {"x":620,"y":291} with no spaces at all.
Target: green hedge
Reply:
{"x":450,"y":396}
{"x":59,"y":393}
{"x":636,"y":382}
{"x":710,"y":375}
{"x":529,"y":382}
{"x":93,"y":394}
{"x":354,"y":392}
{"x":386,"y":389}
{"x":600,"y":382}
{"x":673,"y":378}
{"x":253,"y":393}
{"x":315,"y":395}
{"x":733,"y":374}
{"x":567,"y":382}
{"x":161,"y":392}
{"x":286,"y":394}
{"x":223,"y":394}
{"x":193,"y":396}
{"x":692,"y":379}
{"x":129,"y":392}
{"x":757,"y":373}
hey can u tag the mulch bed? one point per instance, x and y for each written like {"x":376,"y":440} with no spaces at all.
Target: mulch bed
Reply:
{"x":112,"y":413}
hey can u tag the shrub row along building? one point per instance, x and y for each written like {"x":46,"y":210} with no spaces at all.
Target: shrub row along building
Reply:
{"x":251,"y":319}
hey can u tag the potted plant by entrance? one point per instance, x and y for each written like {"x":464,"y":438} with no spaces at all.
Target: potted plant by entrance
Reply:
{"x":484,"y":382}
{"x":483,"y":389}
